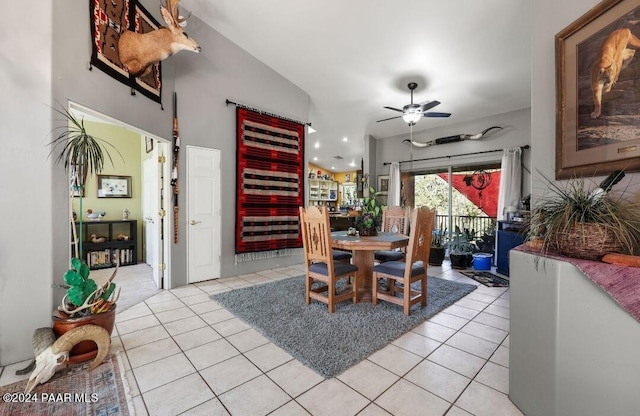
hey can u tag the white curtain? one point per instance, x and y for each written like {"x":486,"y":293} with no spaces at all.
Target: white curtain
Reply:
{"x":510,"y":180}
{"x":393,"y":199}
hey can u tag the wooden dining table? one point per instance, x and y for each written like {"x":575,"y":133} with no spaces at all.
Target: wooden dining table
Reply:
{"x":363,"y":249}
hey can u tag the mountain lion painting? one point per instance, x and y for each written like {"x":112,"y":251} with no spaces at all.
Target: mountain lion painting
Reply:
{"x":612,"y":58}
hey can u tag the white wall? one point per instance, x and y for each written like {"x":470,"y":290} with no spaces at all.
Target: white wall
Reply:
{"x":25,"y":211}
{"x":45,"y":63}
{"x":204,"y":81}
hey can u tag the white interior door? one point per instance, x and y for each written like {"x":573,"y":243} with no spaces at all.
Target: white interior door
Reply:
{"x":203,"y":214}
{"x":151,"y":215}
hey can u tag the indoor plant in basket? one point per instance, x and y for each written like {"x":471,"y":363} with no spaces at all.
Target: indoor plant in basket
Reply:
{"x":85,"y":302}
{"x":586,"y":223}
{"x":370,"y":217}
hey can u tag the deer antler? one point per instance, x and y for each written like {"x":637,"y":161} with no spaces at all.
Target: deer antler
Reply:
{"x":85,"y":305}
{"x":172,"y":7}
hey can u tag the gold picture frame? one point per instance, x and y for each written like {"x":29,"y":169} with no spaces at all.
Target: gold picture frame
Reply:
{"x":588,"y":143}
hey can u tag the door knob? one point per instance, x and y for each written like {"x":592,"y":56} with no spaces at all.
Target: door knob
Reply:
{"x":194,"y":222}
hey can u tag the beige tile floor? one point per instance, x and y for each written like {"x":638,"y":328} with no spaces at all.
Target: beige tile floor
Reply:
{"x":186,"y":355}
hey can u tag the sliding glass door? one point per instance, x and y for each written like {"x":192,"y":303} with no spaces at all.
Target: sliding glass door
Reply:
{"x":466,"y":199}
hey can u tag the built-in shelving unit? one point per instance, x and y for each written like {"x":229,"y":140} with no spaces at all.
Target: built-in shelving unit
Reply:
{"x":323,"y":190}
{"x":119,"y":245}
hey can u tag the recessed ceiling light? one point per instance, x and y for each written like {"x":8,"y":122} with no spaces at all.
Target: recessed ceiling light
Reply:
{"x":315,"y":158}
{"x":352,"y":163}
{"x":344,"y":139}
{"x":317,"y":145}
{"x":333,"y":168}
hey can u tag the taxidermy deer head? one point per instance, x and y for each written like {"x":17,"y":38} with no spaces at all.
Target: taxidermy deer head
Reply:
{"x":139,"y":51}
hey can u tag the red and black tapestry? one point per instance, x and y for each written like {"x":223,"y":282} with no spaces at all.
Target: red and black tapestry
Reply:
{"x":109,"y":18}
{"x":270,"y":184}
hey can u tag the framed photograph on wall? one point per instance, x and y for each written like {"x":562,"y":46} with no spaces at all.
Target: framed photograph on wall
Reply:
{"x":597,"y":109}
{"x":383,"y":184}
{"x":114,"y":186}
{"x":148,"y":141}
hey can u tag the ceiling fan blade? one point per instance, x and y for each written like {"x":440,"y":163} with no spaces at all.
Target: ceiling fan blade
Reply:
{"x":385,"y":119}
{"x":428,"y":105}
{"x":394,"y":109}
{"x":434,"y":114}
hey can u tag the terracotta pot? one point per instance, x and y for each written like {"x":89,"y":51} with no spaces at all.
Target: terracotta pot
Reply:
{"x":86,"y":350}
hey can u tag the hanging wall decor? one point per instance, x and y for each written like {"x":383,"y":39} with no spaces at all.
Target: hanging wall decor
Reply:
{"x":597,"y":105}
{"x":110,"y":18}
{"x":269,"y":185}
{"x":174,"y":170}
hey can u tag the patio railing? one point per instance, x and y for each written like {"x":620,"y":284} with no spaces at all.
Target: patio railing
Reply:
{"x":478,"y":223}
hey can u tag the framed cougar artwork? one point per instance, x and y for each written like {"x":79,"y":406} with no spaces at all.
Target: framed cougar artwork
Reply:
{"x":598,"y":109}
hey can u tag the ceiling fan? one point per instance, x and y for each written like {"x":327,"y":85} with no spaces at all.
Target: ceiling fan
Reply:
{"x":412,"y":113}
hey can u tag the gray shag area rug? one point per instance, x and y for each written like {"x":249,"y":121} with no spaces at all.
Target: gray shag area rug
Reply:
{"x":331,"y":343}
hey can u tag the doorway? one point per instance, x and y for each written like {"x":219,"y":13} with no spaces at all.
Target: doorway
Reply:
{"x":203,"y":214}
{"x":151,"y":273}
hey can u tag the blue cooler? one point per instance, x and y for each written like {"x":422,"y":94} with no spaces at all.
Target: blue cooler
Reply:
{"x":482,"y":261}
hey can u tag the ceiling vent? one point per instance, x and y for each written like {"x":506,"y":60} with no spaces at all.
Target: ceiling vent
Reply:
{"x":338,"y":157}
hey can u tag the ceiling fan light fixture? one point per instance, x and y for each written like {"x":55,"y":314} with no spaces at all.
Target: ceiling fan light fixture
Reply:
{"x":411,"y":113}
{"x":411,"y":117}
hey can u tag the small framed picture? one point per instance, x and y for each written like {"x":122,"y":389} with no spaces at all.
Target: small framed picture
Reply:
{"x":114,"y":186}
{"x":148,"y":144}
{"x":347,"y":177}
{"x":383,"y":184}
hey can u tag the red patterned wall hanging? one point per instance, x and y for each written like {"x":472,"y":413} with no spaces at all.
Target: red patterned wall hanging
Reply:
{"x":270,"y":185}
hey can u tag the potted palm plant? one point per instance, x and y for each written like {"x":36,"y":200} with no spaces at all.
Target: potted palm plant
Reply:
{"x":82,"y":155}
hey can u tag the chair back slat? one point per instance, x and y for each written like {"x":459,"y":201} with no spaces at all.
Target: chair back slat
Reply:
{"x":395,"y":215}
{"x":420,"y":236}
{"x":316,"y":235}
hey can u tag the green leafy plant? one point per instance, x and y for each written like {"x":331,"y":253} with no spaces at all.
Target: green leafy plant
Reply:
{"x":371,"y":216}
{"x":84,"y":155}
{"x":487,"y":241}
{"x":439,"y":237}
{"x":459,"y":243}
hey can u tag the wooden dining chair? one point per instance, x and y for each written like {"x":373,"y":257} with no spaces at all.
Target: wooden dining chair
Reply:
{"x":394,"y":219}
{"x":321,"y":267}
{"x":341,"y":255}
{"x":413,"y":269}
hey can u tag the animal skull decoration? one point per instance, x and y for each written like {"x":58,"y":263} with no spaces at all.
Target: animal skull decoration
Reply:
{"x":138,"y":52}
{"x":452,"y":139}
{"x":54,"y":357}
